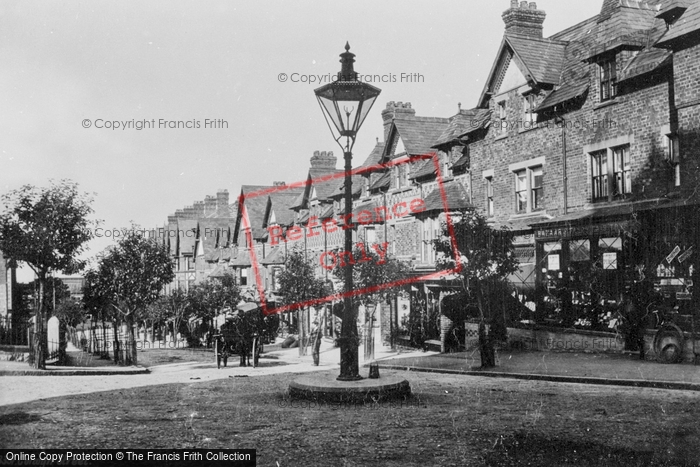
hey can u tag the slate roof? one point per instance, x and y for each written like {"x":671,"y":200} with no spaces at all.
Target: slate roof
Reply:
{"x":456,"y":194}
{"x":561,"y":59}
{"x":186,"y":234}
{"x":381,"y":182}
{"x":646,"y":61}
{"x":420,"y":133}
{"x":673,"y":9}
{"x":369,"y":207}
{"x":276,"y":256}
{"x":357,"y":184}
{"x":563,"y":94}
{"x":242,"y":259}
{"x":281,"y":204}
{"x":422,"y":169}
{"x":255,"y":208}
{"x":466,"y":121}
{"x":375,"y":158}
{"x":543,"y":58}
{"x":327,"y":213}
{"x":462,"y":162}
{"x":213,"y":231}
{"x":687,"y":24}
{"x":219,"y":271}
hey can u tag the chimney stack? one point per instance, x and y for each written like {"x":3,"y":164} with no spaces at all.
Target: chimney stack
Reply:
{"x":210,"y":205}
{"x":395,"y":110}
{"x":189,"y":212}
{"x":524,"y":19}
{"x":323,"y":160}
{"x":222,"y":203}
{"x":199,"y":209}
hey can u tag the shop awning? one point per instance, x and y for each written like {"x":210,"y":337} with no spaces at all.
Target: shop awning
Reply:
{"x":595,"y":214}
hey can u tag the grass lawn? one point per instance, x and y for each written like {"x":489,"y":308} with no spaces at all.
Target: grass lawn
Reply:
{"x":450,"y":421}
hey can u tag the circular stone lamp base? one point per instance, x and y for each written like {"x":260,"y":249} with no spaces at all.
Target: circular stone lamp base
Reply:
{"x":326,"y":388}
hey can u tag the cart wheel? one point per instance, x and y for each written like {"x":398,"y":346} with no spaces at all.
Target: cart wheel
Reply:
{"x":668,"y":343}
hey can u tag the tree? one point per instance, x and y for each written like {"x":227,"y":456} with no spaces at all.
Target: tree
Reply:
{"x":373,"y":272}
{"x":213,"y":295}
{"x":298,"y":284}
{"x":132,"y":275}
{"x":485,"y":258}
{"x":69,"y":312}
{"x":98,"y":307}
{"x":46,"y":228}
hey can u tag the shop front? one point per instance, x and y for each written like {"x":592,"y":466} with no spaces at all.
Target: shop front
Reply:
{"x":582,"y":268}
{"x":589,"y":262}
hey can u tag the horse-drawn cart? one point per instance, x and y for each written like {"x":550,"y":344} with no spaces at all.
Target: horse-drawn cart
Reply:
{"x":240,"y":335}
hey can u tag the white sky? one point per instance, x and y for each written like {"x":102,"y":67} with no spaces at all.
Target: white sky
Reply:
{"x":63,"y":62}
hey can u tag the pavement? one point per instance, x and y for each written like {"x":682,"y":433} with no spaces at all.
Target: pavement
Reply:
{"x":567,"y":367}
{"x":608,"y":369}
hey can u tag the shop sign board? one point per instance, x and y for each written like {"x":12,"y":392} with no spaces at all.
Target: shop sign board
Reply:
{"x":608,"y":229}
{"x":686,"y":254}
{"x":673,"y":254}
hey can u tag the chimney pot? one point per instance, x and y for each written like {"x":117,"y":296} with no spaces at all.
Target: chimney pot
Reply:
{"x":525,"y":19}
{"x":323,"y":160}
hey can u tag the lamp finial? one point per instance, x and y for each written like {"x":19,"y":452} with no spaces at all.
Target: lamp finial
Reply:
{"x":347,"y":69}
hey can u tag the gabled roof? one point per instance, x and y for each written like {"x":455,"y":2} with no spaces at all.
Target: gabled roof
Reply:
{"x":186,"y":234}
{"x":417,"y":133}
{"x":213,"y":232}
{"x":541,"y":58}
{"x":688,"y":24}
{"x":281,"y":203}
{"x":559,"y":60}
{"x":466,"y":121}
{"x":255,"y":207}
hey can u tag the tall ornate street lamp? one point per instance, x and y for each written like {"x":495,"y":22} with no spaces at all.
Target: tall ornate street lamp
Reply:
{"x":346,"y":102}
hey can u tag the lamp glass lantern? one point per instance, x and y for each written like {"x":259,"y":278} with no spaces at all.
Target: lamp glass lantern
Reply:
{"x":346,"y":101}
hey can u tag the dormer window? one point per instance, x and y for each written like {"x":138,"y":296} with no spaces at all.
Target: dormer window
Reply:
{"x":608,"y":78}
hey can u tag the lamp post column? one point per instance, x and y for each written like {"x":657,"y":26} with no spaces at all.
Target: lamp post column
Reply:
{"x":349,"y":359}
